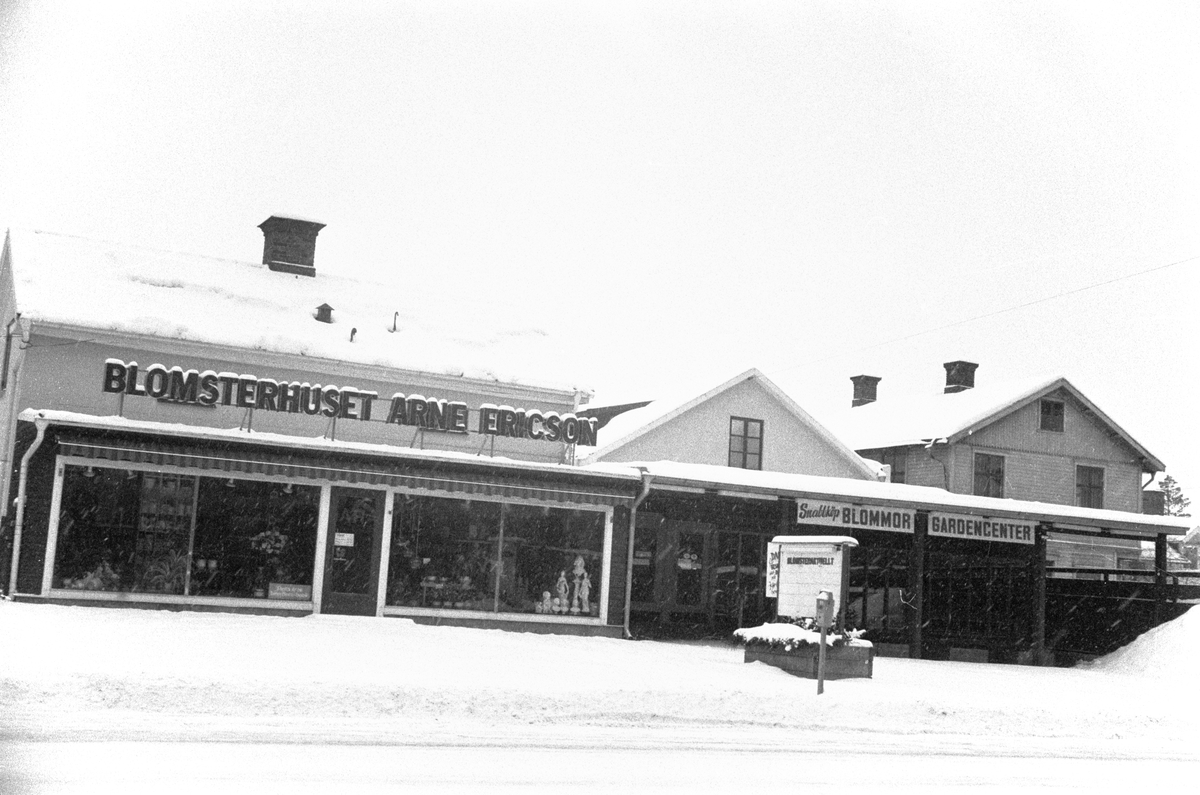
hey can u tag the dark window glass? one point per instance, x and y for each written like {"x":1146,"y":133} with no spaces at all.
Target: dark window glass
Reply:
{"x":1052,"y":415}
{"x":689,"y":569}
{"x":745,"y":443}
{"x":478,"y":555}
{"x":148,"y":532}
{"x":645,"y":557}
{"x":989,"y":475}
{"x":1089,"y":487}
{"x":552,"y":559}
{"x":443,"y":553}
{"x":253,"y":537}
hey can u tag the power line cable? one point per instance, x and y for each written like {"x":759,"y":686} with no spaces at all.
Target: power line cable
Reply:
{"x":987,"y":315}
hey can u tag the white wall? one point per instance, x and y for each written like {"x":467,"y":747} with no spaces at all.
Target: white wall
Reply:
{"x":701,"y":436}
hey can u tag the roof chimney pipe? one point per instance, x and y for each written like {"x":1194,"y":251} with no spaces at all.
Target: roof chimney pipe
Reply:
{"x":289,"y":244}
{"x":864,"y":389}
{"x":960,"y":376}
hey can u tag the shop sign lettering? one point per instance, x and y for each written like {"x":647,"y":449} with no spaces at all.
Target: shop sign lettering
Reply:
{"x":210,"y":388}
{"x":950,"y":525}
{"x":863,"y":517}
{"x":807,"y":569}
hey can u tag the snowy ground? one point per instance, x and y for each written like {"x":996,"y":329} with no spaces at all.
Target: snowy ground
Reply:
{"x":95,"y":678}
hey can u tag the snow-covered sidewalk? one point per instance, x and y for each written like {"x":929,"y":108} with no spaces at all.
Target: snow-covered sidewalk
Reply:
{"x":94,"y":672}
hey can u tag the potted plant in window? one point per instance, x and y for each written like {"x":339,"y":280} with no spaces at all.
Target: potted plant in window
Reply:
{"x":268,"y":546}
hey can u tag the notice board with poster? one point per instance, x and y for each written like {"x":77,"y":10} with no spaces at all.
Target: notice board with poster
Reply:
{"x":800,"y":567}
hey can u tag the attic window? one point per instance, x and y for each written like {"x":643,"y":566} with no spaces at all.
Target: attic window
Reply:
{"x":745,"y":443}
{"x":1052,"y":415}
{"x":325,"y":313}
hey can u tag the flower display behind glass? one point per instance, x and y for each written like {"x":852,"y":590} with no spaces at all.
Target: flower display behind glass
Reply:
{"x":269,"y":543}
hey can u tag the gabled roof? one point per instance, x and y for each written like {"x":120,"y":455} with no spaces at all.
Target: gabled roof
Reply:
{"x":630,"y":425}
{"x":950,"y":417}
{"x":83,"y":284}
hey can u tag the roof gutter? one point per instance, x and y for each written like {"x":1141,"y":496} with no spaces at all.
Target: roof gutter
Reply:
{"x":647,"y":478}
{"x":19,"y":524}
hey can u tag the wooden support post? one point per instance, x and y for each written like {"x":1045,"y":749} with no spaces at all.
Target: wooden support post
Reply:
{"x":1037,"y":570}
{"x":1160,"y":578}
{"x":916,"y":584}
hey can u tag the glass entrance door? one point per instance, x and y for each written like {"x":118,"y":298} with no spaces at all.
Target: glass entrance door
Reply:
{"x":352,"y":552}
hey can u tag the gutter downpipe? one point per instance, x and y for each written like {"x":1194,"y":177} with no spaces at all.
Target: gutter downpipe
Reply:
{"x":646,"y":480}
{"x":40,"y":424}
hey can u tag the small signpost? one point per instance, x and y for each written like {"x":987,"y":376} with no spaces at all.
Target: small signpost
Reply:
{"x":825,"y":608}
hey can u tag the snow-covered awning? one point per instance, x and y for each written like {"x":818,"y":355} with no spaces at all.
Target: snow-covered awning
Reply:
{"x":118,"y":441}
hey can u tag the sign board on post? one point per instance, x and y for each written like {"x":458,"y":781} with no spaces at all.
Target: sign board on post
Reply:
{"x":801,"y":567}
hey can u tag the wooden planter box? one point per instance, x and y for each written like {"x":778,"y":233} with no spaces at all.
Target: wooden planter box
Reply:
{"x":841,"y":662}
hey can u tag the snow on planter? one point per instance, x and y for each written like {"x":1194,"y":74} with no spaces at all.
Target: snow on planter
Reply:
{"x":794,"y":647}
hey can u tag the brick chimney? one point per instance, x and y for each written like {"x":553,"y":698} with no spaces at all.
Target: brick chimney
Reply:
{"x":960,"y":376}
{"x":289,"y":244}
{"x":864,"y":389}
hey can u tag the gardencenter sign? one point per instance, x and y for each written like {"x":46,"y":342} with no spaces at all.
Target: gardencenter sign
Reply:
{"x":952,"y":525}
{"x":209,"y":388}
{"x":863,"y":517}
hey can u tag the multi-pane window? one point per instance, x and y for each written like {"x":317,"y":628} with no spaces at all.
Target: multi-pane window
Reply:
{"x":745,"y":443}
{"x":1089,"y":487}
{"x":1052,"y":415}
{"x":989,"y":475}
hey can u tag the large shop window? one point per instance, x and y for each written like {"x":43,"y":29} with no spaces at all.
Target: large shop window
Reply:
{"x":495,"y":557}
{"x":155,"y":533}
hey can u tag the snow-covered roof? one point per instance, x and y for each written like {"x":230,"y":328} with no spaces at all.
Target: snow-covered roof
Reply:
{"x":127,"y":289}
{"x":630,"y":425}
{"x":917,"y":419}
{"x":737,"y":481}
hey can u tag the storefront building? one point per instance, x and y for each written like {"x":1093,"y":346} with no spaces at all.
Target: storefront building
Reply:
{"x":123,"y":512}
{"x":196,"y":433}
{"x":934,"y":574}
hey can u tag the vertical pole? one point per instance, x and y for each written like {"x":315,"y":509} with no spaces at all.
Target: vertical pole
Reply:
{"x":191,"y":555}
{"x":385,"y":551}
{"x":916,"y":583}
{"x":821,"y":660}
{"x":1037,"y":570}
{"x":1160,"y":577}
{"x":52,"y":535}
{"x":323,"y":516}
{"x":499,"y":559}
{"x":787,"y":526}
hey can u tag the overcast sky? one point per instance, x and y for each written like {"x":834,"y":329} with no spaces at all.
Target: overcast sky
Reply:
{"x":679,"y":191}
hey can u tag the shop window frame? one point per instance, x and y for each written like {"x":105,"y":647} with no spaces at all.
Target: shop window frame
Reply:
{"x":603,"y":587}
{"x":151,"y":597}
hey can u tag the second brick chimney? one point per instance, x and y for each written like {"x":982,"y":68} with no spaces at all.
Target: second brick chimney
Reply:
{"x":864,"y":389}
{"x":290,"y":244}
{"x":960,"y":376}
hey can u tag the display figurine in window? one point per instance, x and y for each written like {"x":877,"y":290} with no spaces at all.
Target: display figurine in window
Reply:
{"x":546,"y":605}
{"x":580,"y":572}
{"x":562,"y":602}
{"x":582,"y":593}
